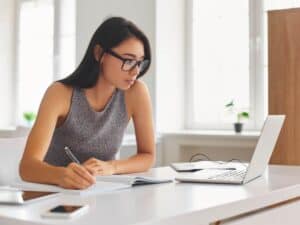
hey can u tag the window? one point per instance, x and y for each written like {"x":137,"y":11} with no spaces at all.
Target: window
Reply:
{"x":35,"y":67}
{"x":46,"y":49}
{"x":223,"y":63}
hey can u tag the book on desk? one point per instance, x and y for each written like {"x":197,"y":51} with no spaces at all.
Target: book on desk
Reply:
{"x":103,"y":184}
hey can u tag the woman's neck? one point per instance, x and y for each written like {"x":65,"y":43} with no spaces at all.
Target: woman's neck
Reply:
{"x":99,"y":95}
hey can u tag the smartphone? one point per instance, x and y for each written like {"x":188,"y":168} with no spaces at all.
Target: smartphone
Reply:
{"x":65,"y":211}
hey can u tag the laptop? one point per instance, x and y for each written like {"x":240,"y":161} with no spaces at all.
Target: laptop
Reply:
{"x":248,"y":172}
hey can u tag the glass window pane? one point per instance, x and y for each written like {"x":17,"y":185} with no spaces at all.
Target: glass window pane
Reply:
{"x":220,"y":58}
{"x":35,"y":62}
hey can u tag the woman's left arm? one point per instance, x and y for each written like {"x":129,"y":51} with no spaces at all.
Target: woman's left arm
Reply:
{"x":141,"y":111}
{"x":144,"y":132}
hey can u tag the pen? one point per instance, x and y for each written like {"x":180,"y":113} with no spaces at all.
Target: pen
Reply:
{"x":71,"y":155}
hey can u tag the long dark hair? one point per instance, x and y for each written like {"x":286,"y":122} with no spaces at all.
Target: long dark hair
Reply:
{"x":108,"y":35}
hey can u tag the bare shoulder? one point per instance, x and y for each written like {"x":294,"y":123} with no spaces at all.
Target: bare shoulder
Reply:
{"x":58,"y":96}
{"x":139,"y":89}
{"x":59,"y":89}
{"x":137,"y":96}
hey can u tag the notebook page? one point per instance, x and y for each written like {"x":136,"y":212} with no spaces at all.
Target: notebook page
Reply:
{"x":131,"y":179}
{"x":99,"y":187}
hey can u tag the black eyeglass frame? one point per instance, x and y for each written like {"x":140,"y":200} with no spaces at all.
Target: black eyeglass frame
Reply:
{"x":144,"y":62}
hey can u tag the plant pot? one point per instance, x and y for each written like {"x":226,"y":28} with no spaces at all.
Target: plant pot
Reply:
{"x":238,"y":127}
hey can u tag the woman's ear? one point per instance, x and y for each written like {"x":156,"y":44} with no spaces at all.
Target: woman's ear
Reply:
{"x":97,"y":52}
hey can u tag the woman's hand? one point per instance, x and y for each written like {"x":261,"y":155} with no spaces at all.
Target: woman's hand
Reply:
{"x":76,"y":176}
{"x":99,"y":167}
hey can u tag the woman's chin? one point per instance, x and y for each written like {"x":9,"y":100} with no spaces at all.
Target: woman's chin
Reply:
{"x":125,"y":86}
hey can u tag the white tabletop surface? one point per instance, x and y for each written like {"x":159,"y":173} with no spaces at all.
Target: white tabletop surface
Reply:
{"x":169,"y":203}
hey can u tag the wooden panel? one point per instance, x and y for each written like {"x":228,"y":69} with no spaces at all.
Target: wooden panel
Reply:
{"x":284,"y":81}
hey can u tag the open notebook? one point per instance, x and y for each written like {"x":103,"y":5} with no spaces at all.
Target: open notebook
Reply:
{"x":132,"y":180}
{"x":103,"y":184}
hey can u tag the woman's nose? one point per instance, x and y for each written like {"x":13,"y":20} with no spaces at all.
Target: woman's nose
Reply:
{"x":135,"y":70}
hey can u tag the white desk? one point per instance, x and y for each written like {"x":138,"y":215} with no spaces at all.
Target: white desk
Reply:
{"x":171,"y":203}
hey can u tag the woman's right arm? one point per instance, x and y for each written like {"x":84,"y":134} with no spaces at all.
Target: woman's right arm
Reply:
{"x":55,"y":103}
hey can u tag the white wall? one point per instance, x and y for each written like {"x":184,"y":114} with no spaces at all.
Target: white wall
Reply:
{"x":170,"y":61}
{"x":7,"y":63}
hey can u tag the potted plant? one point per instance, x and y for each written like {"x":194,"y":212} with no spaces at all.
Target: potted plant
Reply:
{"x":29,"y":117}
{"x":240,"y":115}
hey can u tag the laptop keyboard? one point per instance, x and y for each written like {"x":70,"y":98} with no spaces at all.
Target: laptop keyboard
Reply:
{"x":232,"y":175}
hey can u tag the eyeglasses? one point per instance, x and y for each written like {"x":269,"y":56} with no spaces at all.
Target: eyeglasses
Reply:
{"x":130,"y":64}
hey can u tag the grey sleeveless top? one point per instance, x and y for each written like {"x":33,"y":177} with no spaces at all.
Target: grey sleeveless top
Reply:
{"x":89,"y":133}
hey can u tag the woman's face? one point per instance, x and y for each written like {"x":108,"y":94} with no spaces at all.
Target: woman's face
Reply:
{"x":113,"y":70}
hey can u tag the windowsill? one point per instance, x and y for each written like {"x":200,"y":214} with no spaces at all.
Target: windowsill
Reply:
{"x":213,"y":134}
{"x":129,"y":139}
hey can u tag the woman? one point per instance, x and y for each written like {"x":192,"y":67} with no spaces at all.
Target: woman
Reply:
{"x":89,"y":110}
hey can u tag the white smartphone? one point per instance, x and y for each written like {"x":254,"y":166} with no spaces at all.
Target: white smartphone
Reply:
{"x":66,"y":211}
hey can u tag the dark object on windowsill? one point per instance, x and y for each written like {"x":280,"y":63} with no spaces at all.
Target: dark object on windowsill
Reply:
{"x":238,"y":127}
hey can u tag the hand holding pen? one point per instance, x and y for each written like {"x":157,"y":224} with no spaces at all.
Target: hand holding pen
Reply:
{"x":93,"y":166}
{"x":75,"y":176}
